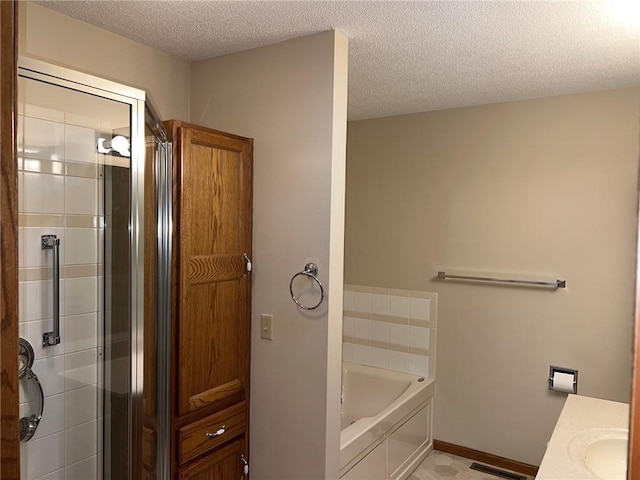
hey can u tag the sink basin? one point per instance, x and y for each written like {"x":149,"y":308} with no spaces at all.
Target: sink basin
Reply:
{"x":603,"y":451}
{"x":607,"y":458}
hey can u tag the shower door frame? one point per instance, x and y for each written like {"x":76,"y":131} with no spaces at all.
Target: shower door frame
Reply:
{"x":9,"y":431}
{"x":135,"y":98}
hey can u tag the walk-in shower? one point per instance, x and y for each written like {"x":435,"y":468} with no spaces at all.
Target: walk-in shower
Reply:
{"x":90,"y":159}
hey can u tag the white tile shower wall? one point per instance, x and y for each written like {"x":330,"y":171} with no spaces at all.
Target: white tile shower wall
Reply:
{"x":392,"y":329}
{"x":58,"y":194}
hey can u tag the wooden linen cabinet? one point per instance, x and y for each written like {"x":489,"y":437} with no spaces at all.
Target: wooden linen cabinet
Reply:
{"x":211,"y":302}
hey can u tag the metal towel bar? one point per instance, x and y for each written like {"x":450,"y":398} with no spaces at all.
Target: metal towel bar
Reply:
{"x":556,"y":284}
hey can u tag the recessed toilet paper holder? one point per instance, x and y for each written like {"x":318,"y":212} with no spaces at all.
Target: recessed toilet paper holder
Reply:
{"x":562,"y":383}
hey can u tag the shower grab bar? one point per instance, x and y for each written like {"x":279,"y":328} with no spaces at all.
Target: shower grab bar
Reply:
{"x":556,"y":284}
{"x":51,"y":242}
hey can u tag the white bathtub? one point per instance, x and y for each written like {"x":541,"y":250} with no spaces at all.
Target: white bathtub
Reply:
{"x":386,"y":423}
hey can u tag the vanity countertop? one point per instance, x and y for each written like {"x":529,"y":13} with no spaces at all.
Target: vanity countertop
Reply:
{"x":580,"y":416}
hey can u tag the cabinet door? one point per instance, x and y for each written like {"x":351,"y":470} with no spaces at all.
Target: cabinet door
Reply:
{"x":214,"y":287}
{"x":223,"y":464}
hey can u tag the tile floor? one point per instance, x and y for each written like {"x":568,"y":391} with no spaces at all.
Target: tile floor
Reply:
{"x":444,"y":466}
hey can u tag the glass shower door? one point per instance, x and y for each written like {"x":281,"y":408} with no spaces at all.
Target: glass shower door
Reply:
{"x":78,"y":275}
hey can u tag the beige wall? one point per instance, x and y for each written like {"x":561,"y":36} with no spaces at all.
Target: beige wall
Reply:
{"x":291,"y":98}
{"x":56,"y":38}
{"x":545,"y":187}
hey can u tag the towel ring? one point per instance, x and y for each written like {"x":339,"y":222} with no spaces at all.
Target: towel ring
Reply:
{"x":311,"y":271}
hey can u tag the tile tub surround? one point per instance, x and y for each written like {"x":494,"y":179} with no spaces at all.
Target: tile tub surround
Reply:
{"x":59,"y":194}
{"x":579,"y":414}
{"x":392,"y":329}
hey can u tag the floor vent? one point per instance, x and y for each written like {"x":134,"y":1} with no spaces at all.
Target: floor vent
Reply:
{"x":496,"y":471}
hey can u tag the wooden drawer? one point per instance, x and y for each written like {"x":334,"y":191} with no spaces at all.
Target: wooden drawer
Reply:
{"x":223,"y":463}
{"x":227,"y":424}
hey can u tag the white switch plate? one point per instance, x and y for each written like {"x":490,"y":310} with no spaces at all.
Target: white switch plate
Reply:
{"x":266,"y":330}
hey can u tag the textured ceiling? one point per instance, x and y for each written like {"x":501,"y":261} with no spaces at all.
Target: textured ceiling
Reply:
{"x":405,"y":57}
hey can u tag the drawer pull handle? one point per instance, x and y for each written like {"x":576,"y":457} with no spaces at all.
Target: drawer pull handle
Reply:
{"x":217,"y":433}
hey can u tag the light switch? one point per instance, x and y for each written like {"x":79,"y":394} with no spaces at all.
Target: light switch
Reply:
{"x":266,"y":331}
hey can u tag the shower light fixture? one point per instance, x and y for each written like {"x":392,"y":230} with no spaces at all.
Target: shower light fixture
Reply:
{"x":119,"y":144}
{"x":624,"y":13}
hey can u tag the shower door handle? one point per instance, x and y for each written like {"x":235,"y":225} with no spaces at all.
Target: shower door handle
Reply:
{"x":29,"y":424}
{"x":51,"y":242}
